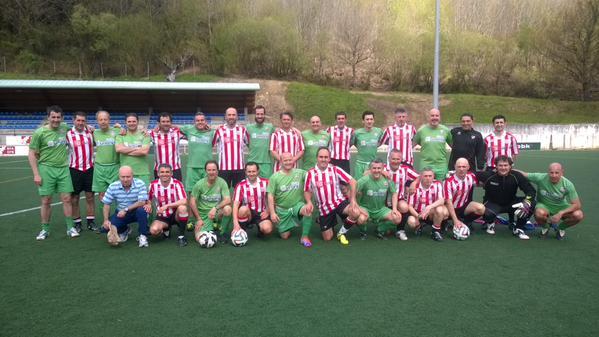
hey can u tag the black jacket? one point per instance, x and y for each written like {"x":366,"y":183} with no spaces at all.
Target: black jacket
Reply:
{"x":502,"y":190}
{"x":467,"y":144}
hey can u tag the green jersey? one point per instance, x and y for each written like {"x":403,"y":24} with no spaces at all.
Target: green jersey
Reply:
{"x":51,"y":144}
{"x":134,"y":140}
{"x":287,"y":189}
{"x":558,"y":196}
{"x":199,"y":145}
{"x":373,"y":193}
{"x":367,"y":143}
{"x":432,"y":141}
{"x":105,"y":142}
{"x":208,"y":196}
{"x":259,"y":142}
{"x":313,"y":141}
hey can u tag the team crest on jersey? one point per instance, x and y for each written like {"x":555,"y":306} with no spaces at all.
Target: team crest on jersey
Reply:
{"x":293,"y":186}
{"x":423,"y":200}
{"x":472,"y":137}
{"x":162,"y":199}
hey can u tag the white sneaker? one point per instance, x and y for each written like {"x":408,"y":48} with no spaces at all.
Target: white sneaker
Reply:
{"x":491,"y":229}
{"x":72,"y":232}
{"x":124,"y":235}
{"x":401,"y":234}
{"x":143,"y":241}
{"x":520,"y":234}
{"x":43,"y":234}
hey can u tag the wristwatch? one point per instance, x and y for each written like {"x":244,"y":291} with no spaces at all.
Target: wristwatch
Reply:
{"x":126,"y":209}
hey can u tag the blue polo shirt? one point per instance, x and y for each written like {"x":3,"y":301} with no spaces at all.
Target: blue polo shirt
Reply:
{"x":123,"y":198}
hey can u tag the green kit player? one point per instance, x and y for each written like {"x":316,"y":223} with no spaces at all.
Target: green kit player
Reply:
{"x":199,"y":137}
{"x":260,"y":133}
{"x":314,"y":139}
{"x":106,"y":162}
{"x":433,"y":138}
{"x":134,"y":147}
{"x":366,"y":140}
{"x":286,"y":200}
{"x":373,"y":192}
{"x":48,"y":158}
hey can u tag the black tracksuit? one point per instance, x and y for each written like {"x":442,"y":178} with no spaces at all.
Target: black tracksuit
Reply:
{"x":467,"y":144}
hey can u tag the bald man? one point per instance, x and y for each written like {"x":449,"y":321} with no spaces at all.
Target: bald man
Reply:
{"x":558,"y":203}
{"x":433,"y":138}
{"x":457,"y":190}
{"x":130,"y":195}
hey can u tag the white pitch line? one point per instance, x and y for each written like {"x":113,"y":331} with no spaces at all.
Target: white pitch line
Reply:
{"x":31,"y":209}
{"x":13,"y":161}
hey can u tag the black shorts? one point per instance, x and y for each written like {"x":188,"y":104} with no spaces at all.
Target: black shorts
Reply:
{"x":342,"y":163}
{"x":253,"y":222}
{"x":171,"y":220}
{"x":461,"y":212}
{"x":330,"y":220}
{"x":82,"y":180}
{"x":176,"y":174}
{"x":232,"y":177}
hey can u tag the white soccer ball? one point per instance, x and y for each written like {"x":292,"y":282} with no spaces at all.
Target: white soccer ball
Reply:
{"x":239,"y":238}
{"x":207,"y":239}
{"x":461,"y":233}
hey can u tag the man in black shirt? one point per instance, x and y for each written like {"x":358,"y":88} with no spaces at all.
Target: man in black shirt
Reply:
{"x":467,"y":143}
{"x":500,"y":195}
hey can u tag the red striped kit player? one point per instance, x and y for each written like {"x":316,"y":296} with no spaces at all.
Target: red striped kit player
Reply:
{"x":500,"y":143}
{"x":230,"y":140}
{"x":399,"y":137}
{"x":166,"y":145}
{"x":286,"y":140}
{"x":426,"y":204}
{"x":457,"y":191}
{"x":342,"y":137}
{"x":250,"y":202}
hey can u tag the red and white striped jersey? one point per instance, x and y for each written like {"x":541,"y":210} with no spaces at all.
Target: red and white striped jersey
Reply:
{"x":161,"y":195}
{"x":458,"y":190}
{"x":230,"y":144}
{"x":282,"y":142}
{"x":502,"y":145}
{"x":400,"y":177}
{"x":252,"y":195}
{"x":326,"y":186}
{"x":400,"y":137}
{"x":423,"y":197}
{"x":166,"y":147}
{"x":341,"y":140}
{"x":81,"y":146}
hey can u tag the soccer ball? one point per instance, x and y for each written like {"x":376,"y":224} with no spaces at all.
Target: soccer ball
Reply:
{"x":206,"y":239}
{"x":239,"y":238}
{"x":461,"y":233}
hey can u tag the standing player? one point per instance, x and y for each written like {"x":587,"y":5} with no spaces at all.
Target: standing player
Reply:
{"x":170,"y":198}
{"x":366,"y":140}
{"x":210,"y":201}
{"x":166,"y":145}
{"x":457,"y":190}
{"x":314,"y":138}
{"x":48,"y":158}
{"x":106,"y":162}
{"x":399,"y":136}
{"x":467,"y":143}
{"x":230,"y":140}
{"x":373,"y":191}
{"x":342,"y":137}
{"x":285,"y":201}
{"x":558,"y":204}
{"x":134,"y":147}
{"x":249,"y":202}
{"x":324,"y":181}
{"x":426,"y":204}
{"x":81,"y":167}
{"x":260,"y":134}
{"x":199,"y":137}
{"x":286,"y":140}
{"x":500,"y":143}
{"x":433,"y":137}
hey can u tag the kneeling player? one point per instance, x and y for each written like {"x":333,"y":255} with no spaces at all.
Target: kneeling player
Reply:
{"x":426,"y":204}
{"x":285,"y":201}
{"x":171,"y":204}
{"x":249,"y":202}
{"x":457,"y":190}
{"x":324,"y":180}
{"x":210,"y":201}
{"x":373,"y":191}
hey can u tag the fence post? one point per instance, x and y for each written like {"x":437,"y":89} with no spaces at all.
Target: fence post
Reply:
{"x":193,"y":64}
{"x":4,"y":63}
{"x":148,"y":70}
{"x":54,"y":67}
{"x":80,"y":71}
{"x":102,"y":70}
{"x":125,"y":69}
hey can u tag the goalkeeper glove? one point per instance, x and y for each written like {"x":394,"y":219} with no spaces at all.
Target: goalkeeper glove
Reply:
{"x":523,"y":209}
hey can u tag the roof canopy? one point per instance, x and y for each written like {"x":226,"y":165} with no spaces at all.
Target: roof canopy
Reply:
{"x":36,"y":95}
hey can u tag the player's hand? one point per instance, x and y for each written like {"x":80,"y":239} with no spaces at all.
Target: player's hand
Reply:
{"x":556,"y":218}
{"x":396,"y":213}
{"x":37,"y":179}
{"x":458,"y":224}
{"x":274,"y":218}
{"x":199,"y":225}
{"x":236,"y":227}
{"x":123,"y":131}
{"x":424,"y":214}
{"x":309,"y":208}
{"x":160,"y":209}
{"x":106,"y":224}
{"x":264,"y":215}
{"x":212,"y":213}
{"x":386,"y":174}
{"x":523,"y":209}
{"x":121,"y":214}
{"x":117,"y":125}
{"x":148,"y":209}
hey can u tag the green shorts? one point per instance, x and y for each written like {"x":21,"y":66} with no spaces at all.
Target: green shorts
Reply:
{"x":440,"y":172}
{"x":265,"y":170}
{"x":289,"y":218}
{"x":359,"y":169}
{"x":143,"y":177}
{"x":104,"y":175}
{"x":550,"y":210}
{"x":209,"y":224}
{"x":378,"y":215}
{"x":55,"y":180}
{"x":192,"y":176}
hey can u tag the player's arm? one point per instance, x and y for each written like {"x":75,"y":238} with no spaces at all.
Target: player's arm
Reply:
{"x":575,"y":205}
{"x":526,"y":186}
{"x":394,"y":202}
{"x":271,"y":205}
{"x":521,"y":172}
{"x":194,"y":207}
{"x":33,"y":157}
{"x":449,"y":205}
{"x":308,"y":199}
{"x":236,"y":206}
{"x":122,"y":148}
{"x":140,"y":151}
{"x":298,"y":156}
{"x":352,"y":192}
{"x":180,"y":202}
{"x":439,"y":202}
{"x":480,"y":152}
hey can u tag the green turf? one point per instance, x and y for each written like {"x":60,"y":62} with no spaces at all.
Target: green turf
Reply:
{"x":485,"y":286}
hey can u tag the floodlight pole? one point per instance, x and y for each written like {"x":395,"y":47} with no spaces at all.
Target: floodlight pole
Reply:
{"x":437,"y":52}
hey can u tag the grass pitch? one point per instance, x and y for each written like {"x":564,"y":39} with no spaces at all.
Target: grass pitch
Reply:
{"x":485,"y":286}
